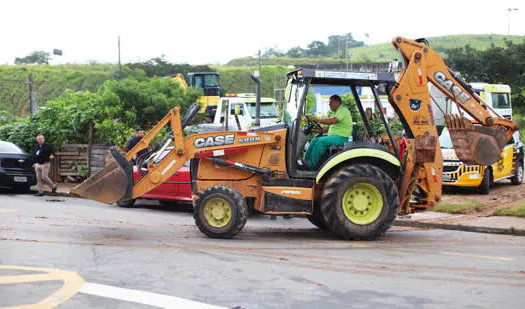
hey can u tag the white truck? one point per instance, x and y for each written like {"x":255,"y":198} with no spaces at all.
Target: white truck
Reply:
{"x":496,"y":96}
{"x":245,"y":118}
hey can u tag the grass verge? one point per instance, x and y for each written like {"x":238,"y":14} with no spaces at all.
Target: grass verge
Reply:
{"x":467,"y":207}
{"x":515,"y":211}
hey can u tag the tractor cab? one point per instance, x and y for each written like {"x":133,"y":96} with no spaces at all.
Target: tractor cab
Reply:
{"x":300,"y":98}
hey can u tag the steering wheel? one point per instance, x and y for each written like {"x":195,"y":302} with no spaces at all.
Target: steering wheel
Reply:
{"x":312,"y":125}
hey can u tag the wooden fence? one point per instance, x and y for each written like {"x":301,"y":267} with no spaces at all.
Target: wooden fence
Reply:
{"x":72,"y":157}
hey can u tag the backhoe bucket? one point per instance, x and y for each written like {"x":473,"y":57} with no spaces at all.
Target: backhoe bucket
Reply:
{"x":113,"y":183}
{"x":475,"y":144}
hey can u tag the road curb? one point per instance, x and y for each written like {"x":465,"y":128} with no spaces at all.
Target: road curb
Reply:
{"x":459,"y":227}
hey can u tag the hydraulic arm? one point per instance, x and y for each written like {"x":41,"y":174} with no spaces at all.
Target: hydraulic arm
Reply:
{"x":115,"y":182}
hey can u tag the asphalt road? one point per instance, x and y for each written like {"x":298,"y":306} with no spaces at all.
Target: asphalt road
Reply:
{"x":75,"y":253}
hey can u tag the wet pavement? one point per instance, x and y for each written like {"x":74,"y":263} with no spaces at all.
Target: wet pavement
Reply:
{"x":74,"y":253}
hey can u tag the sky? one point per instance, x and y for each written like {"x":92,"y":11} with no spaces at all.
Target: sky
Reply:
{"x":214,"y":32}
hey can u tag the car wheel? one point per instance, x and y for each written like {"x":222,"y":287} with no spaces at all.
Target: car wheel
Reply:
{"x":126,"y":204}
{"x":484,"y":187}
{"x":517,"y":179}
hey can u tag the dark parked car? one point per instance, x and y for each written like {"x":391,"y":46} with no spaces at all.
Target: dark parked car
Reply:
{"x":16,"y":168}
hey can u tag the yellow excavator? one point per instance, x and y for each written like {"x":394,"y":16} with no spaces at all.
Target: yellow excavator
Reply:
{"x":360,"y":187}
{"x":208,"y":82}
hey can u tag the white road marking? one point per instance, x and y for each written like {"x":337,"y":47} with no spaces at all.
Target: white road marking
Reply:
{"x":141,"y":297}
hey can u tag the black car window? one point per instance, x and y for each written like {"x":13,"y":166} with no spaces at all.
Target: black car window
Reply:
{"x":6,"y":147}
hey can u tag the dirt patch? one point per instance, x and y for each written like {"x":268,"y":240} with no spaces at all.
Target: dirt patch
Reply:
{"x":502,"y":196}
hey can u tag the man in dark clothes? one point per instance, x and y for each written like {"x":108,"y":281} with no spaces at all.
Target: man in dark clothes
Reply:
{"x":43,"y":155}
{"x":139,"y":134}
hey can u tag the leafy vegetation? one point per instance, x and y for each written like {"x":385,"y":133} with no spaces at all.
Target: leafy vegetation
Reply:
{"x":497,"y":65}
{"x":36,"y":57}
{"x":160,"y":67}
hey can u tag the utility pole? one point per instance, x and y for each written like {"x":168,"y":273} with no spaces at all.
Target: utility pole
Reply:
{"x":119,"y":64}
{"x":508,"y":23}
{"x":256,"y":77}
{"x":347,"y":52}
{"x":32,"y":94}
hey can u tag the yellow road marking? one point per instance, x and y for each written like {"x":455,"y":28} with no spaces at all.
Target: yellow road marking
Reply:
{"x":72,"y":284}
{"x":480,"y":256}
{"x":6,"y":210}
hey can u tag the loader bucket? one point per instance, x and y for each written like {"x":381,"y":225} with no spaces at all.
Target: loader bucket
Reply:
{"x":113,"y":183}
{"x":475,"y":144}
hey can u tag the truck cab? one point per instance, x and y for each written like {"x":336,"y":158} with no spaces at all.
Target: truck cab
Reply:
{"x":245,"y":104}
{"x":496,"y":96}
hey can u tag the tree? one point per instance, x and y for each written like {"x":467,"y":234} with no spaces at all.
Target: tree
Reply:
{"x":498,"y":65}
{"x":36,"y":57}
{"x":317,"y":48}
{"x":273,"y":53}
{"x":160,"y":67}
{"x":296,"y":52}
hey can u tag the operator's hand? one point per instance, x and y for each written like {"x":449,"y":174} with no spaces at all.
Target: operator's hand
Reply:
{"x":135,"y":157}
{"x":312,"y":118}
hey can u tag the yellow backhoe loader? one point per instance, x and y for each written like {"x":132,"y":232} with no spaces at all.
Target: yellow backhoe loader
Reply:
{"x":357,"y":191}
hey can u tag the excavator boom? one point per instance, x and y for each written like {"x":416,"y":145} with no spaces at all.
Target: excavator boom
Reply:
{"x":473,"y":144}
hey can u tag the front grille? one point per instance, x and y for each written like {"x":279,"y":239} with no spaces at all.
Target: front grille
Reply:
{"x":16,"y":163}
{"x":450,"y":168}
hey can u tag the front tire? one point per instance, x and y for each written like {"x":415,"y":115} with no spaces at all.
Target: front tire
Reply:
{"x":484,"y":187}
{"x":517,"y":179}
{"x":359,"y":202}
{"x":220,"y":212}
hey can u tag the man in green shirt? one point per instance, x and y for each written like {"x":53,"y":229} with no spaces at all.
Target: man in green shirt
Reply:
{"x":339,"y":126}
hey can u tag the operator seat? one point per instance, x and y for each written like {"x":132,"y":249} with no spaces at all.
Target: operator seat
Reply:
{"x":335,"y":149}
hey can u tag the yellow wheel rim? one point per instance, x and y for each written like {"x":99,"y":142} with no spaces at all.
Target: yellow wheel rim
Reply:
{"x":218,"y":212}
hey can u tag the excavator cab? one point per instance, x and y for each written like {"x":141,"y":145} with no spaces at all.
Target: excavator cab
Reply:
{"x":300,"y":104}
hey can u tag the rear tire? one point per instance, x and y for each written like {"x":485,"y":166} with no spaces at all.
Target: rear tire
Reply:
{"x":517,"y":179}
{"x":316,"y":218}
{"x":220,"y":212}
{"x":359,"y":202}
{"x":126,"y":204}
{"x":484,"y":187}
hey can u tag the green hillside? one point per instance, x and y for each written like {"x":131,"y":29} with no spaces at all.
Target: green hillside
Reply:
{"x":50,"y":81}
{"x":386,"y":52}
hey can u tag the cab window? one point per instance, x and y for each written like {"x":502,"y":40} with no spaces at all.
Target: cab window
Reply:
{"x":500,"y":100}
